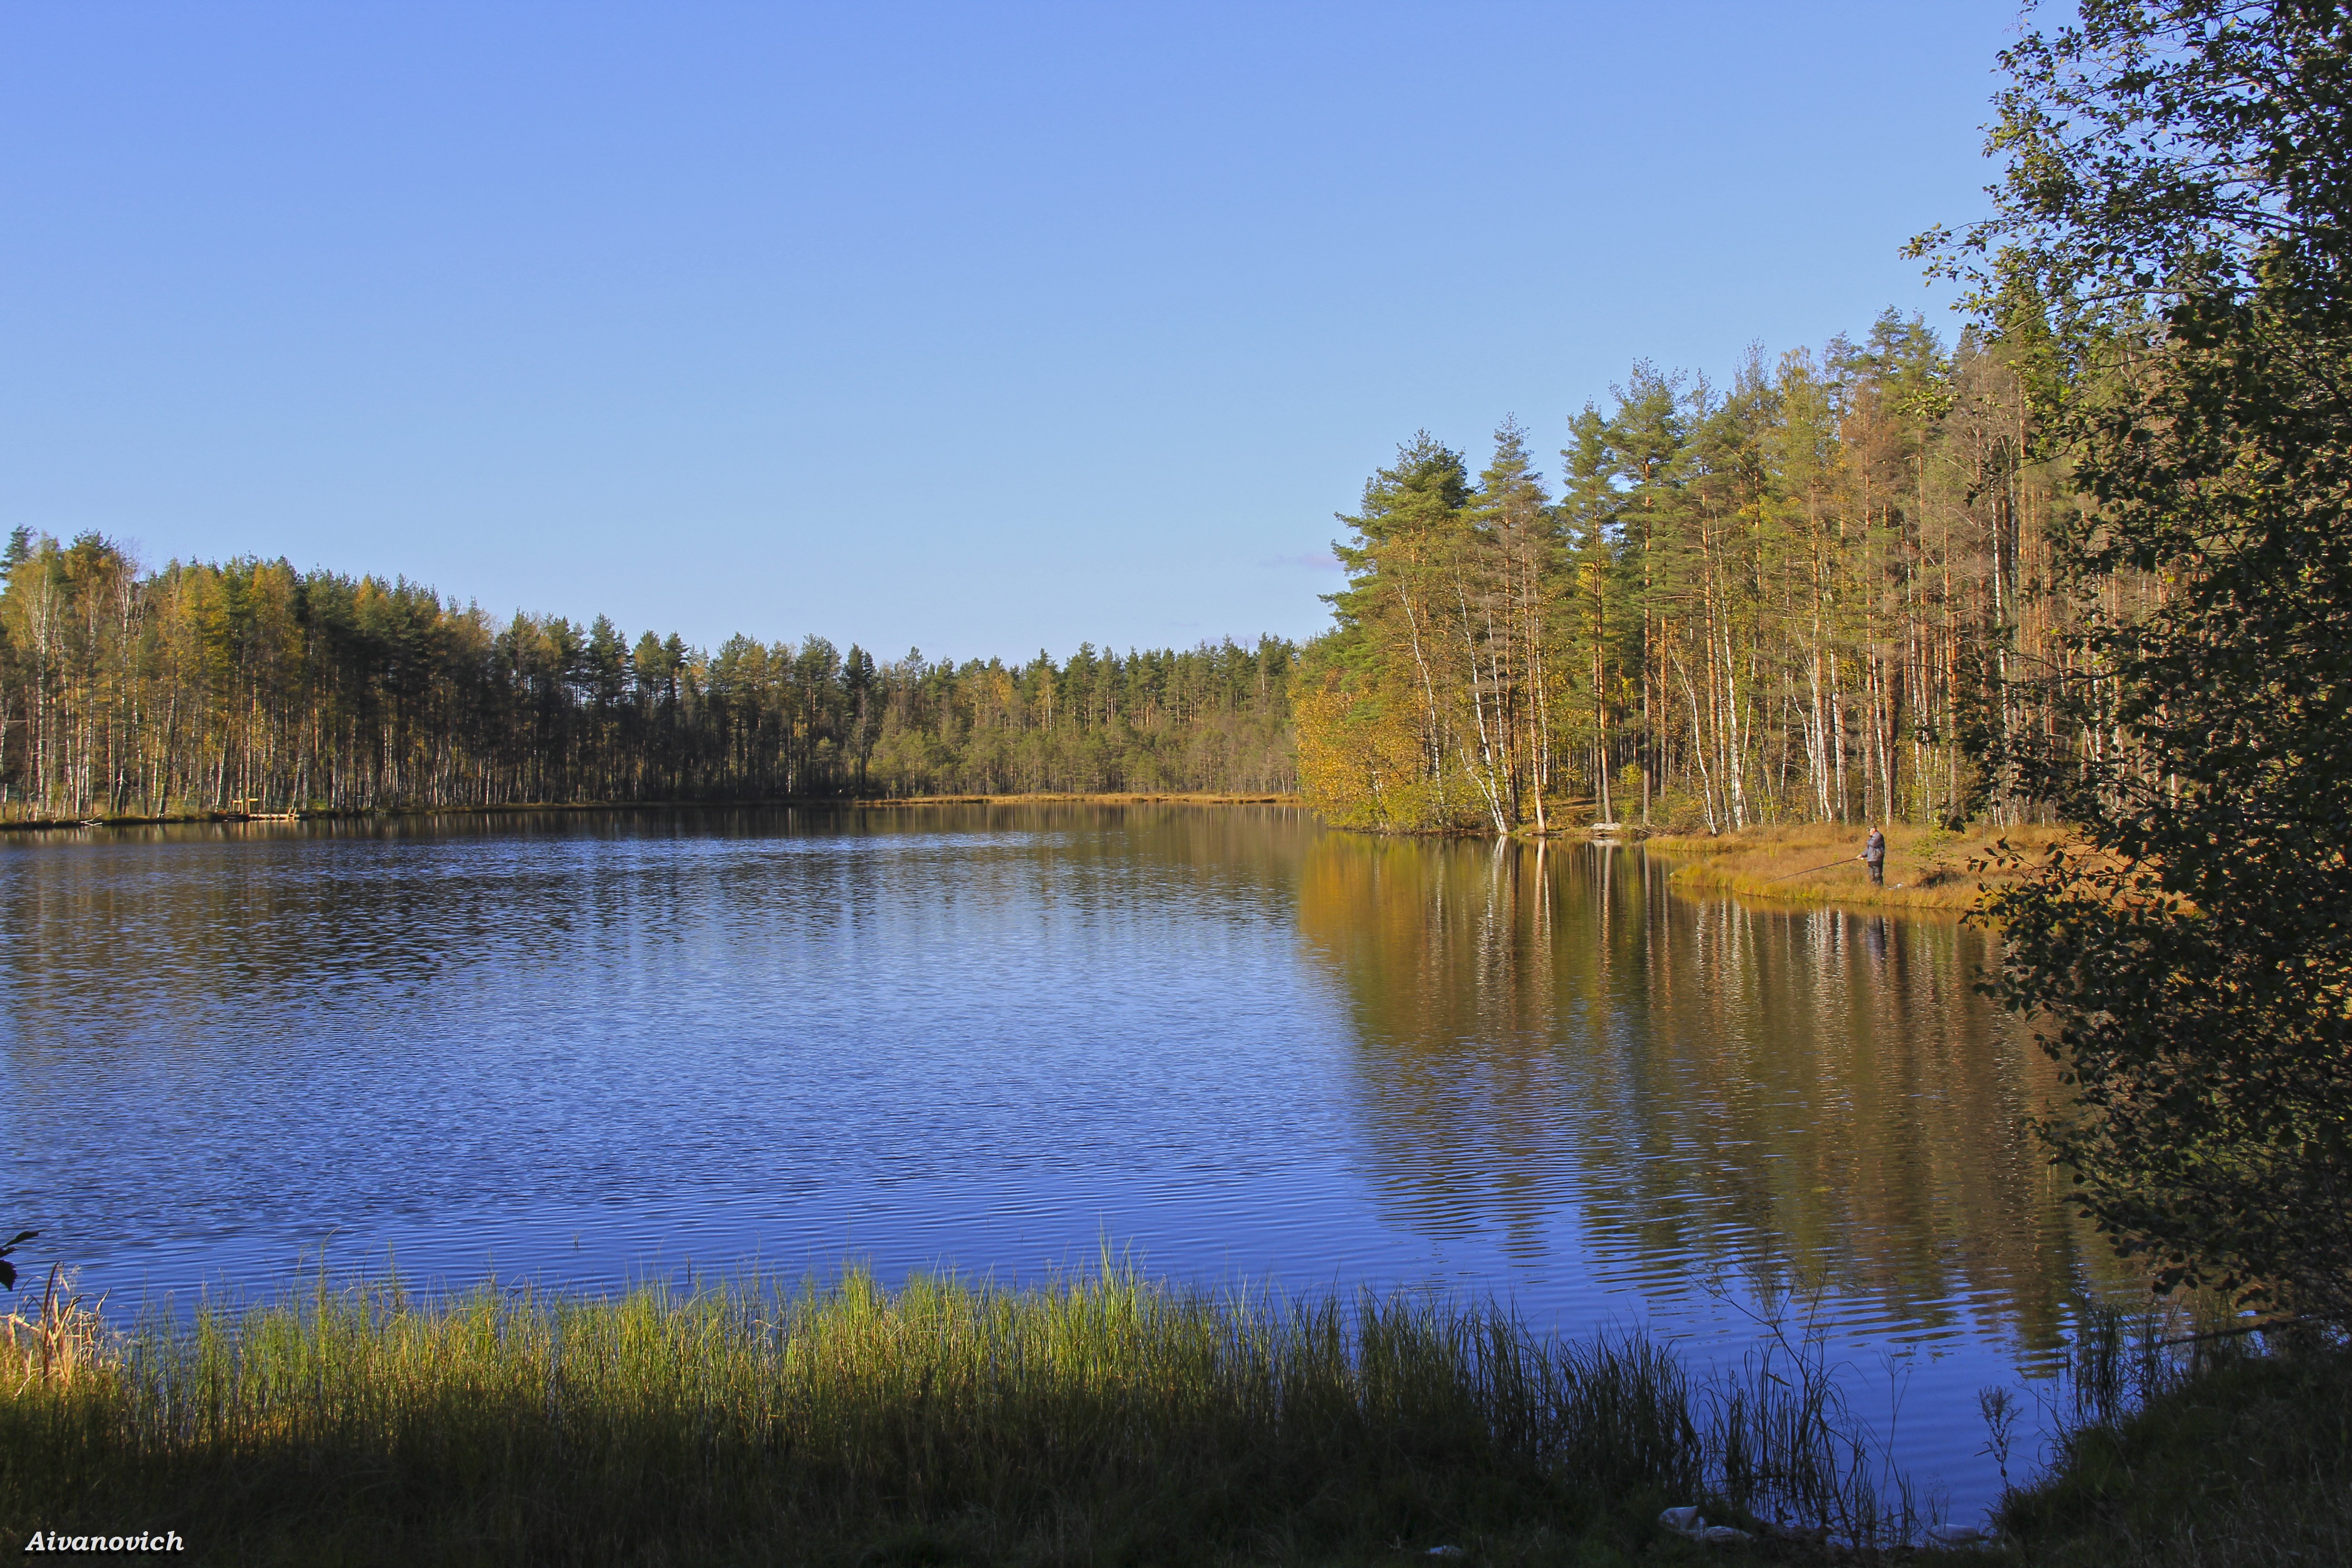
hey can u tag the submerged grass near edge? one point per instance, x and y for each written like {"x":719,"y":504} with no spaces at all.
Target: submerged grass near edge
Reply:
{"x":1100,"y":1420}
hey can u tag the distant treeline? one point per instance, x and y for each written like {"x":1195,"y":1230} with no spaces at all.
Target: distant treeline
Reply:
{"x":1813,"y":594}
{"x":247,"y":684}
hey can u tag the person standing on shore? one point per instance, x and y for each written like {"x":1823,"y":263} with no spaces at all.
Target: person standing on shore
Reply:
{"x":1874,"y":854}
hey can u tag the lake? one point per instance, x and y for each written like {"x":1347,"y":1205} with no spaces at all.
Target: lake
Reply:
{"x":1221,"y":1042}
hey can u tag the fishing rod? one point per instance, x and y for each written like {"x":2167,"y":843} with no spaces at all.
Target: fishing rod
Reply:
{"x":1810,"y":869}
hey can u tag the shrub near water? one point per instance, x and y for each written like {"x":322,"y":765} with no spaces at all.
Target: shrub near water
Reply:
{"x":1098,"y":1419}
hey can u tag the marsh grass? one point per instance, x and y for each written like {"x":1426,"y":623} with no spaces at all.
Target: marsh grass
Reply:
{"x":1786,"y":1449}
{"x":1814,"y":863}
{"x":1098,"y":1419}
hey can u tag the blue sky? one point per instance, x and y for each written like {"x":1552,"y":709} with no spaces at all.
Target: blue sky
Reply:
{"x":985,"y":328}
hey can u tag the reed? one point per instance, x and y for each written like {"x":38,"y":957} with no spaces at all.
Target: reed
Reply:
{"x":1099,"y":1418}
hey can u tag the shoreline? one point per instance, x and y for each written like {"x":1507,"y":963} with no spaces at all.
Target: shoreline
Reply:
{"x":797,"y":802}
{"x":1817,"y":863}
{"x":1926,"y":869}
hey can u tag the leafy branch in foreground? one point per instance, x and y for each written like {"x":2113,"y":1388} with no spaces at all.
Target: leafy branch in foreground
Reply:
{"x":2177,"y":203}
{"x":8,"y":1269}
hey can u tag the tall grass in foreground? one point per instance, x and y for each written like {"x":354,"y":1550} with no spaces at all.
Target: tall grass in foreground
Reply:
{"x":1101,"y":1418}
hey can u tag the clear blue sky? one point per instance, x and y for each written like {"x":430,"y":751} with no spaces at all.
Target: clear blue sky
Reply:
{"x":983,"y":327}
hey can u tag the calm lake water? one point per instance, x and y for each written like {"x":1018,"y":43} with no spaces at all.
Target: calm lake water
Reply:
{"x":591,"y":1047}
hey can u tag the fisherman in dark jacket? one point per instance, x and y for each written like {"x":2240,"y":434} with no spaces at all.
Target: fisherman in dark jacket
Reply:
{"x":1874,"y":854}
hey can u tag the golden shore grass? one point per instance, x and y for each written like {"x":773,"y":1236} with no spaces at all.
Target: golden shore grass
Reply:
{"x":1814,"y":862}
{"x":850,"y":803}
{"x":1174,"y":798}
{"x":1100,"y":1420}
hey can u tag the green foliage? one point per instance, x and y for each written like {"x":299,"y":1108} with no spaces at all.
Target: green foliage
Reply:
{"x":2180,"y":173}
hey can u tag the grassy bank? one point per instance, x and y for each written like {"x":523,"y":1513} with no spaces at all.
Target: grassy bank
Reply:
{"x":1101,"y":1420}
{"x":1814,"y":863}
{"x":1177,"y":798}
{"x":2245,"y":1464}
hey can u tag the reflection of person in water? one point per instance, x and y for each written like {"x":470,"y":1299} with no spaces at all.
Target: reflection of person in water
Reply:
{"x":1874,"y":936}
{"x":1874,"y":854}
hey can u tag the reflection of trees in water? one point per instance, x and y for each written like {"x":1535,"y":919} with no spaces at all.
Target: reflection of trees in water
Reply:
{"x":112,"y":931}
{"x":1548,"y":1036}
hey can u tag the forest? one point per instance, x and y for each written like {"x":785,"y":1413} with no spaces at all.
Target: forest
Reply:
{"x":1820,"y":593}
{"x":1815,"y":594}
{"x":246,"y":685}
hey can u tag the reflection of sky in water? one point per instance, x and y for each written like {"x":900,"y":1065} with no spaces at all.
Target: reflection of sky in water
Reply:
{"x":586,"y":1047}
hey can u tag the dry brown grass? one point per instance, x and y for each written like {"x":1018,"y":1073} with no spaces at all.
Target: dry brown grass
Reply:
{"x":58,"y":1344}
{"x":1048,"y":798}
{"x":1816,"y":862}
